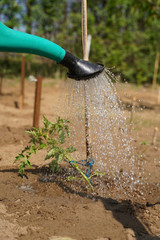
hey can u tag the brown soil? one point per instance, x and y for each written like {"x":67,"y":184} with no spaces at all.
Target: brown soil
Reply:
{"x":38,"y":207}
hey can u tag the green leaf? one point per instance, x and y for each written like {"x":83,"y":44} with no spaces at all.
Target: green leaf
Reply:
{"x":62,"y":136}
{"x":26,"y":149}
{"x":42,"y":146}
{"x":33,"y":150}
{"x":60,"y":157}
{"x":33,"y":140}
{"x":51,"y":153}
{"x":40,"y":131}
{"x":71,"y":149}
{"x":32,"y":132}
{"x":46,"y":122}
{"x":27,"y":162}
{"x":51,"y":142}
{"x":67,"y":130}
{"x":144,"y":143}
{"x":21,"y":168}
{"x":55,"y":167}
{"x":19,"y":157}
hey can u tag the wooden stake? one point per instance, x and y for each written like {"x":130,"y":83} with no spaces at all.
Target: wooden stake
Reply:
{"x":37,"y":102}
{"x":158,"y":97}
{"x":21,"y":100}
{"x":84,"y":30}
{"x":1,"y":82}
{"x":133,"y":110}
{"x":87,"y":128}
{"x":156,"y":66}
{"x":154,"y":138}
{"x":85,"y":57}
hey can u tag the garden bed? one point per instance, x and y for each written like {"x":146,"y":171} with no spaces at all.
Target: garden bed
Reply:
{"x":43,"y":206}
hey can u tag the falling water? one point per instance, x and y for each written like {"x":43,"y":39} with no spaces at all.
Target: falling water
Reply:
{"x":111,"y":143}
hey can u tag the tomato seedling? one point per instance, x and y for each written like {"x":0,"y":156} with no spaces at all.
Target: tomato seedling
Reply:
{"x":51,"y":136}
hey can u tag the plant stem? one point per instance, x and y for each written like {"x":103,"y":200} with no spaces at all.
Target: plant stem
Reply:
{"x":79,"y":170}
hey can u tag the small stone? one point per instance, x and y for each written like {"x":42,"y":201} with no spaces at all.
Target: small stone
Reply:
{"x":28,"y":212}
{"x":130,"y":234}
{"x":86,"y":207}
{"x":147,"y":211}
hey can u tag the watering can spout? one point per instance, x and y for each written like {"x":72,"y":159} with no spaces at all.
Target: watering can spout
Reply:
{"x":80,"y":69}
{"x":20,"y":42}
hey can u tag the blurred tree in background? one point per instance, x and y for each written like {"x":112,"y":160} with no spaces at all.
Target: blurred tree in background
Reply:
{"x":9,"y":10}
{"x":125,"y":33}
{"x":30,"y":14}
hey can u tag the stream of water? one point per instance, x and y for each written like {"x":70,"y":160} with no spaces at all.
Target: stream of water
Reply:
{"x":108,"y":133}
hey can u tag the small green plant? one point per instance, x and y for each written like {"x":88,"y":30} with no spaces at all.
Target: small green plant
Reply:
{"x":51,"y":136}
{"x":145,"y":143}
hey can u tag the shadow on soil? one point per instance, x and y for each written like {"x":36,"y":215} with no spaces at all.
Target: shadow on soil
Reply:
{"x":124,"y":211}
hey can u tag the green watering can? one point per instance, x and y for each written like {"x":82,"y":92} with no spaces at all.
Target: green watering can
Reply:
{"x":20,"y":42}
